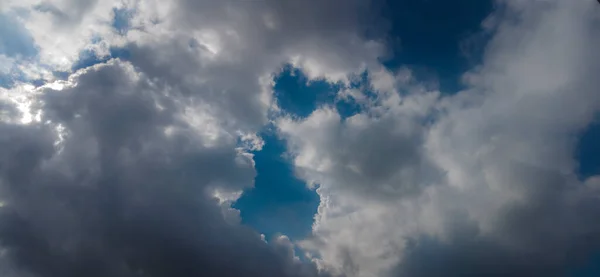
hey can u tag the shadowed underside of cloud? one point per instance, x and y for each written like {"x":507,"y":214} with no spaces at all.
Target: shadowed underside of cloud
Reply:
{"x":128,"y":191}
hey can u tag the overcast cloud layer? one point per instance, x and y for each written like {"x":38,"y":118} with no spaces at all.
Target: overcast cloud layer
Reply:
{"x":129,"y":166}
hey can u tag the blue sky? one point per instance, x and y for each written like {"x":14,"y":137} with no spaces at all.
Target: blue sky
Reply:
{"x":279,"y":202}
{"x":588,"y":151}
{"x":469,"y":180}
{"x":432,"y":36}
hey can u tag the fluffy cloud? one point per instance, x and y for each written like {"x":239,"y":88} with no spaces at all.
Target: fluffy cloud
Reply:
{"x":129,"y":167}
{"x":113,"y":182}
{"x":479,"y":183}
{"x":222,"y":53}
{"x":364,"y":165}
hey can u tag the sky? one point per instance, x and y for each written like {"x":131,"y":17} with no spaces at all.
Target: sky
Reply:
{"x":338,"y":138}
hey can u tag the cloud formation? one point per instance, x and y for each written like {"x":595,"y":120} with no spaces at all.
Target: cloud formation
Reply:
{"x":125,"y":143}
{"x":127,"y":128}
{"x":479,"y":183}
{"x":114,"y":182}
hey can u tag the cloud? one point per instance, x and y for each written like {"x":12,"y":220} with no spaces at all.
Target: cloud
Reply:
{"x":128,"y":165}
{"x":348,"y":152}
{"x":119,"y":195}
{"x":363,"y":166}
{"x":504,"y":199}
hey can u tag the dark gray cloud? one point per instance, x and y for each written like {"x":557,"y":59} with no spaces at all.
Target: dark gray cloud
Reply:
{"x":120,"y":170}
{"x":544,"y":235}
{"x":428,"y":257}
{"x":119,"y":196}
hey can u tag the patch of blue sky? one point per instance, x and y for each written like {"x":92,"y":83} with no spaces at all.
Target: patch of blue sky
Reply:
{"x":588,"y":157}
{"x":120,"y":52}
{"x":588,"y":151}
{"x":122,"y":19}
{"x":16,"y":44}
{"x":89,"y":57}
{"x":438,"y":39}
{"x":6,"y":80}
{"x":591,"y":269}
{"x":587,"y":154}
{"x":15,"y":39}
{"x":279,"y":203}
{"x":299,"y":97}
{"x":12,"y":75}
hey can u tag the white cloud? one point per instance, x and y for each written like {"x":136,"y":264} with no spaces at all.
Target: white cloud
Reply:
{"x":491,"y":180}
{"x":366,"y":165}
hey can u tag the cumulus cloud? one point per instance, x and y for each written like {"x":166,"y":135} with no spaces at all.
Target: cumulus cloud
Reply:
{"x":353,"y":151}
{"x":363,"y":166}
{"x":126,"y":140}
{"x":479,"y":183}
{"x":126,"y":189}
